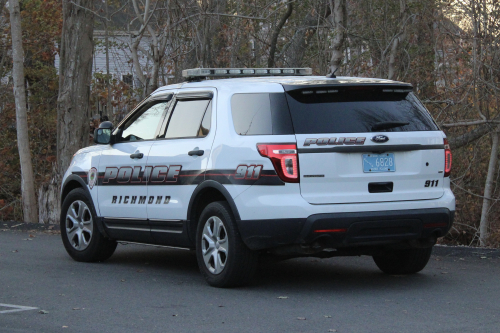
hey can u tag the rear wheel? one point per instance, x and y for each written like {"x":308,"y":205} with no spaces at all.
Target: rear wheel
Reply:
{"x":223,"y":258}
{"x":80,"y":235}
{"x":399,"y":262}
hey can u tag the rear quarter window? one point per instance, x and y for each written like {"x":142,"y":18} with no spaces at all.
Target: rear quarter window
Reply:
{"x":261,"y":114}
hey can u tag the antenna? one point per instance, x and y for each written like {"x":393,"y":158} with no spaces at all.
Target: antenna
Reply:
{"x":332,"y":75}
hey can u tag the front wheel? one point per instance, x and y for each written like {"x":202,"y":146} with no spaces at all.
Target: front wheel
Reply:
{"x":401,"y":262}
{"x":80,"y":235}
{"x":223,"y":258}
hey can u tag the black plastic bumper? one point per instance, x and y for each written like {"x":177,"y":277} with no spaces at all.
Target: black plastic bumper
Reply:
{"x":348,"y":229}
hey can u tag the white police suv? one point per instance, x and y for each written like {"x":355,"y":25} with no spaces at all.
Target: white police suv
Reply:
{"x":274,"y":162}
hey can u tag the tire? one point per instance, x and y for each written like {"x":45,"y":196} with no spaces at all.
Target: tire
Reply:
{"x":223,"y":258}
{"x":80,"y":235}
{"x":402,"y":262}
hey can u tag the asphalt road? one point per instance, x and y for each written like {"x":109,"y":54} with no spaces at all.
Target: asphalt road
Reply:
{"x":147,"y":289}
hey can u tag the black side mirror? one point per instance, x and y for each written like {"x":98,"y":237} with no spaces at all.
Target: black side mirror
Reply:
{"x":102,"y":135}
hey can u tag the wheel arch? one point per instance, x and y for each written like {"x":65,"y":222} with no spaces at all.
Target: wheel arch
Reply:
{"x":72,"y":182}
{"x":207,"y":192}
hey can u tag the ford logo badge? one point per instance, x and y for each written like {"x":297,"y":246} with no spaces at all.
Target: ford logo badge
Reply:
{"x":380,"y":138}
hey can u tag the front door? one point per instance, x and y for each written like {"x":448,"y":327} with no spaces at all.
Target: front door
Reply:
{"x":180,"y":157}
{"x":124,"y":172}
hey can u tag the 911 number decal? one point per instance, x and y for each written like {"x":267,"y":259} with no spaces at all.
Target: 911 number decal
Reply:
{"x":248,"y":171}
{"x":431,"y":183}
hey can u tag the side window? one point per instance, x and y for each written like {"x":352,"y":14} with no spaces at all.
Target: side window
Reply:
{"x":190,"y":118}
{"x":144,"y":124}
{"x":252,"y":114}
{"x":206,"y":122}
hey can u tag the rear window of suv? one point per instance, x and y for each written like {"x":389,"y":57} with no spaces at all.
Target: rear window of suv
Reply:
{"x":356,"y":110}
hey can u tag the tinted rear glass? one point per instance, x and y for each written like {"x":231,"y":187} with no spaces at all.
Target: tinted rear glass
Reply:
{"x":355,"y":110}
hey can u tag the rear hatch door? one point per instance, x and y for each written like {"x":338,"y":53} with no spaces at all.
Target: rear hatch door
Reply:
{"x":361,"y":144}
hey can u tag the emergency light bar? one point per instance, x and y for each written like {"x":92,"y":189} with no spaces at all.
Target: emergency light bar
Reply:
{"x":232,"y":72}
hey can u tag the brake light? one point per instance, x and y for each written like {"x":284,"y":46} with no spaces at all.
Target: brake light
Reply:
{"x":447,"y":158}
{"x":284,"y":158}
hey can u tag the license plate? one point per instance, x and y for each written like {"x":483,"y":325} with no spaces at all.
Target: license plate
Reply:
{"x":379,"y":162}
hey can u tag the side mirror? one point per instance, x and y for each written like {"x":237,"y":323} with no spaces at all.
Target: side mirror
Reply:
{"x":102,"y":135}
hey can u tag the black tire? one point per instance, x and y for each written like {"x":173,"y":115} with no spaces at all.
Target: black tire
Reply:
{"x":91,"y":246}
{"x":240,"y":263}
{"x":402,"y":262}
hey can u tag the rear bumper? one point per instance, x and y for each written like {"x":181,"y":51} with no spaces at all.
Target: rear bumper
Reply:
{"x":340,"y":230}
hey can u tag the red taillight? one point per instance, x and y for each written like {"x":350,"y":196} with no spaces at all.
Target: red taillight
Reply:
{"x":284,"y":158}
{"x":447,"y":158}
{"x":330,"y":230}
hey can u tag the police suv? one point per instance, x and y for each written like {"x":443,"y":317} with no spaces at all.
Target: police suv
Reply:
{"x":273,"y":162}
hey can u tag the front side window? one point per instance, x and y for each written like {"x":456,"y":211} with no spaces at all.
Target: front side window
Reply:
{"x":144,"y":124}
{"x":190,"y":119}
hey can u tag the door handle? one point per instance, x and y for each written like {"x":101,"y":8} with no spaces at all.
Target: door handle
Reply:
{"x":137,"y":155}
{"x":196,"y":152}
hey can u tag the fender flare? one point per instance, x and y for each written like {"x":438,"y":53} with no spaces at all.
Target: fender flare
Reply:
{"x":218,"y":186}
{"x":71,"y":178}
{"x":84,"y":186}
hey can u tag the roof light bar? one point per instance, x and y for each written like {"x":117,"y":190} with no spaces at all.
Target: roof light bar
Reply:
{"x":232,"y":72}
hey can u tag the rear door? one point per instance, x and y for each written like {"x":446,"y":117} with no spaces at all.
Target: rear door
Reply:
{"x":180,"y":157}
{"x":365,"y":144}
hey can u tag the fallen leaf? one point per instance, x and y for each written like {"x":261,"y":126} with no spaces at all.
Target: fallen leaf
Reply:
{"x":31,"y":236}
{"x":43,"y":312}
{"x":484,"y":257}
{"x":301,"y":318}
{"x":122,"y":280}
{"x":283,"y":297}
{"x":327,"y":316}
{"x":65,"y":327}
{"x":175,"y":315}
{"x":221,"y":306}
{"x":332,"y":330}
{"x":15,"y":251}
{"x":76,"y":309}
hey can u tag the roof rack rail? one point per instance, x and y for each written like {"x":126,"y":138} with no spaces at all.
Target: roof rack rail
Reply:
{"x":198,"y":73}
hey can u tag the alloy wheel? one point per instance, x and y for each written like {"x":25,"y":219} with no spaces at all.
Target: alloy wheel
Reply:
{"x":79,"y":225}
{"x":214,"y":245}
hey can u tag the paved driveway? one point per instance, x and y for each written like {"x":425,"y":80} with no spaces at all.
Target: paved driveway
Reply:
{"x":146,"y":289}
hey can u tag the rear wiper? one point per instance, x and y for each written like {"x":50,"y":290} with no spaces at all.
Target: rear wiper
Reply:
{"x":388,"y":124}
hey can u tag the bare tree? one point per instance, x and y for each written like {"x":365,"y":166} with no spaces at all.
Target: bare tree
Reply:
{"x":73,"y":104}
{"x":488,"y":191}
{"x":398,"y":39}
{"x":276,"y":32}
{"x":338,"y":8}
{"x":75,"y":72}
{"x":27,"y":180}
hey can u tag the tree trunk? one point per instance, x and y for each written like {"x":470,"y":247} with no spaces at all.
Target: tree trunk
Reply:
{"x":338,"y":8}
{"x":27,"y":179}
{"x":488,"y":191}
{"x":277,"y":29}
{"x":398,"y":40}
{"x":73,"y":103}
{"x":295,"y":51}
{"x":75,"y":74}
{"x":109,"y":107}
